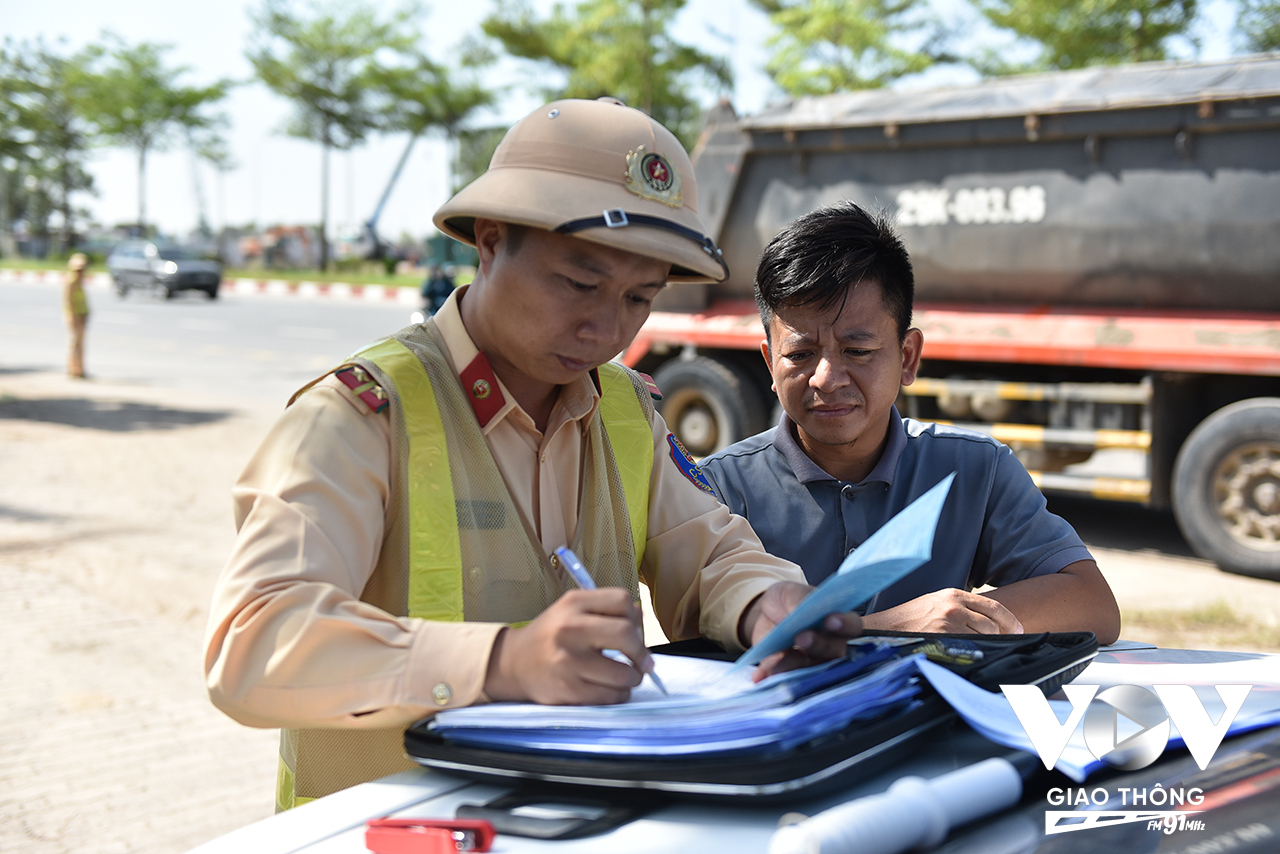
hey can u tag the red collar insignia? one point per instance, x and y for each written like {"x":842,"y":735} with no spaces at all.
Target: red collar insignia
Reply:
{"x":481,"y":387}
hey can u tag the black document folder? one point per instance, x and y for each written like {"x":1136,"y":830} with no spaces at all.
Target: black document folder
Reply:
{"x":828,"y":761}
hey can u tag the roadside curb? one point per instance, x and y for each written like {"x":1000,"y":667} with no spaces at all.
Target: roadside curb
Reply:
{"x":246,"y":287}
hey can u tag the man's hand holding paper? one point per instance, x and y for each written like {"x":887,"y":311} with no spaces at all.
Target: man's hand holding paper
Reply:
{"x":810,"y":646}
{"x":819,"y":617}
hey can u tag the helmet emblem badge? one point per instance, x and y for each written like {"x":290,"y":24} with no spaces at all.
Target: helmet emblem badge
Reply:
{"x":651,"y":176}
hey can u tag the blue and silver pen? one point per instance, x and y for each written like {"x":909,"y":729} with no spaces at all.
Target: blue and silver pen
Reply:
{"x":579,"y":574}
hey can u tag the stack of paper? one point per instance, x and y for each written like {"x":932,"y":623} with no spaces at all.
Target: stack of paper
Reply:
{"x":710,"y":710}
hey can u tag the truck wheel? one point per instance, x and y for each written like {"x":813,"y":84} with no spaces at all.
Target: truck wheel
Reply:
{"x":1226,"y":488}
{"x":708,"y":404}
{"x":122,"y":287}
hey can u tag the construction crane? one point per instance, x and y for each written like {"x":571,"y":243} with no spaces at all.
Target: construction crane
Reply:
{"x":379,"y":249}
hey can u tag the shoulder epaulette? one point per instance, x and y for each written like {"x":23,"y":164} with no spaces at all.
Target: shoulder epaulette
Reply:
{"x":654,"y":392}
{"x":364,"y":386}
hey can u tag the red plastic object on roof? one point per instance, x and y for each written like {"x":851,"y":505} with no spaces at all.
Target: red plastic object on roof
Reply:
{"x":427,"y":836}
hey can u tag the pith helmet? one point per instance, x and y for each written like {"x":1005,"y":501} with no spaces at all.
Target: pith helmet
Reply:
{"x":600,"y":171}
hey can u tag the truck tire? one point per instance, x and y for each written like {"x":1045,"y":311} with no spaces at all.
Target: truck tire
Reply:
{"x":1226,"y":488}
{"x":708,"y":404}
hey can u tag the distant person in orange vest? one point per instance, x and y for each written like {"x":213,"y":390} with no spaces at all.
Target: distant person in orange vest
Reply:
{"x":76,"y":307}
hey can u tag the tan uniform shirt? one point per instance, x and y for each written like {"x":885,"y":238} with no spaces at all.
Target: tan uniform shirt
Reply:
{"x":290,"y":644}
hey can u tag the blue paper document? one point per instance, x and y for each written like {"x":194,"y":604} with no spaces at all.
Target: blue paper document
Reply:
{"x":900,"y":546}
{"x":990,"y":713}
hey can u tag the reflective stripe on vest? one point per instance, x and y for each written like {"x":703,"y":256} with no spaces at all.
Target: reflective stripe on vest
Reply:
{"x":435,"y":555}
{"x":631,"y":437}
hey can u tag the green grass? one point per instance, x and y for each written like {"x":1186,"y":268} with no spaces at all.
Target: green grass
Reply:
{"x":355,"y":277}
{"x":1212,"y":626}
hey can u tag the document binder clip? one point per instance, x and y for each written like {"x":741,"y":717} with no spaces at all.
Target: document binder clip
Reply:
{"x":427,"y":835}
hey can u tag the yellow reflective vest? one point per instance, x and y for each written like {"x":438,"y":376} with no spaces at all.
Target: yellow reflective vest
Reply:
{"x":317,"y":762}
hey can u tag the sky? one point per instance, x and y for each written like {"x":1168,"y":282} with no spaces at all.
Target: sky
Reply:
{"x":277,"y":178}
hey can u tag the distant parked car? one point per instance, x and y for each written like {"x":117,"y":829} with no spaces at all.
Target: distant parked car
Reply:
{"x":142,"y":264}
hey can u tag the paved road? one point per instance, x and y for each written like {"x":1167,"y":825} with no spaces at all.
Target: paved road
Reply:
{"x":114,"y":521}
{"x":258,"y":348}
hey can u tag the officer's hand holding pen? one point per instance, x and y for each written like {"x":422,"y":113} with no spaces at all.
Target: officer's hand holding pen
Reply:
{"x":556,"y":658}
{"x":583,"y":579}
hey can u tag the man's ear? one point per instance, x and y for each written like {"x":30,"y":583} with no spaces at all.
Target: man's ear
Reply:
{"x":489,"y":235}
{"x":768,"y":361}
{"x":912,"y":348}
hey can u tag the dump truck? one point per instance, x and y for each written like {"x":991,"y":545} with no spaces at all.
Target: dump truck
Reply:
{"x":1097,"y":262}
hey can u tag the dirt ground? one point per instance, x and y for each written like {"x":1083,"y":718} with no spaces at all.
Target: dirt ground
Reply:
{"x":114,"y":521}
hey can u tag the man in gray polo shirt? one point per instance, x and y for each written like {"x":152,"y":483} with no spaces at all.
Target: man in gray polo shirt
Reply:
{"x":835,"y":291}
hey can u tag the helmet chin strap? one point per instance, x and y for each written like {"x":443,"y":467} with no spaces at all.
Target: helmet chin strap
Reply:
{"x":618,"y":218}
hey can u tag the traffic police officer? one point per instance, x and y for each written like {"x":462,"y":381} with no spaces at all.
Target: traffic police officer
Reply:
{"x":75,"y":305}
{"x":396,"y":527}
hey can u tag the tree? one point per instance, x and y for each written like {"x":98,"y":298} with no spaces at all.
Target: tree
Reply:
{"x":11,"y":146}
{"x":422,"y":98}
{"x":1259,"y":24}
{"x":47,"y":96}
{"x":1075,"y":34}
{"x":620,"y":48}
{"x":138,"y":103}
{"x":53,"y":96}
{"x":333,"y":64}
{"x":211,"y":148}
{"x":825,"y":46}
{"x":475,"y":148}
